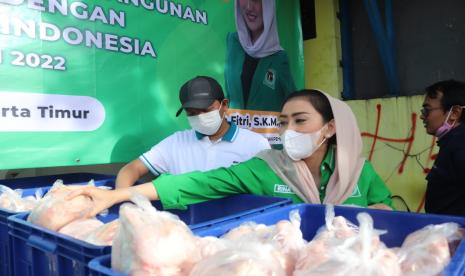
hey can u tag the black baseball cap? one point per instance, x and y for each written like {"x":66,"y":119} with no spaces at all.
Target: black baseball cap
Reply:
{"x":199,"y":92}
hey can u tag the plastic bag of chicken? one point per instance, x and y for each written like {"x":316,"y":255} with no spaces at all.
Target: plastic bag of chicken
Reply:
{"x":151,"y":242}
{"x":53,"y":211}
{"x":344,"y":250}
{"x":285,"y":236}
{"x":245,"y":258}
{"x":81,"y":228}
{"x":332,"y":234}
{"x":427,"y":251}
{"x":91,"y":230}
{"x":12,"y":200}
{"x":104,"y":234}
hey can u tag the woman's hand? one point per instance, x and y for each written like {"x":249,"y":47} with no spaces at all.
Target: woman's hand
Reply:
{"x":102,"y":198}
{"x":380,"y":206}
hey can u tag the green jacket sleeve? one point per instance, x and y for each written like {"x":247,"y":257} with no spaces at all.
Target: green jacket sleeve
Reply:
{"x":177,"y":191}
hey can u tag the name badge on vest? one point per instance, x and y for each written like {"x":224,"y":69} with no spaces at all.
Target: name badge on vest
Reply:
{"x":270,"y":78}
{"x":282,"y":189}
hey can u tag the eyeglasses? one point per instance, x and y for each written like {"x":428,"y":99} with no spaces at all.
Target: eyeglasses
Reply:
{"x":426,"y":111}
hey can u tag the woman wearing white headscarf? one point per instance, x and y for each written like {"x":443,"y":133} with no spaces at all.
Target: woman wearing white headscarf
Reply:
{"x":321,"y":163}
{"x":257,"y":73}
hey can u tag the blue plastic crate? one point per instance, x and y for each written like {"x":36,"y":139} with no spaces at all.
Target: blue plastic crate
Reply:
{"x":40,"y":251}
{"x":5,"y":248}
{"x":47,"y":180}
{"x":101,"y":266}
{"x":29,"y":185}
{"x":398,"y":224}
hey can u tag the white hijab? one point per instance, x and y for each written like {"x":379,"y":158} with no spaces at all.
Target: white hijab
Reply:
{"x":349,"y":161}
{"x":268,"y":42}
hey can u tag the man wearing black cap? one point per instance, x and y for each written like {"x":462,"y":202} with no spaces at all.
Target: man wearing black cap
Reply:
{"x":211,"y":143}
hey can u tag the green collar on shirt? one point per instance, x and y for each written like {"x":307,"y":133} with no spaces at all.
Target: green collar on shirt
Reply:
{"x":229,"y":136}
{"x":326,"y":170}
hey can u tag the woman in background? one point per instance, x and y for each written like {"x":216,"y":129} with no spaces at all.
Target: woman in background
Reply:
{"x":257,"y":73}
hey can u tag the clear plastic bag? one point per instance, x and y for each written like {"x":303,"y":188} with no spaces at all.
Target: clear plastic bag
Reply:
{"x":80,"y":229}
{"x":368,"y":254}
{"x":209,"y":246}
{"x":285,"y":236}
{"x":152,"y":242}
{"x":341,"y":249}
{"x":92,"y":231}
{"x":333,"y":233}
{"x":337,"y":228}
{"x":104,"y":234}
{"x":12,"y":200}
{"x":245,"y":259}
{"x":426,"y":251}
{"x":53,"y":211}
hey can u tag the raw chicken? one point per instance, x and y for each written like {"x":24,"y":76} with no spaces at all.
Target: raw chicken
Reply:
{"x":209,"y":246}
{"x":80,"y":229}
{"x":54,"y":212}
{"x":247,"y":229}
{"x":92,"y":231}
{"x":149,"y":242}
{"x":243,"y":259}
{"x":426,"y":251}
{"x":104,"y":234}
{"x":11,"y":200}
{"x":318,"y":251}
{"x":285,"y":234}
{"x":455,"y":240}
{"x":340,"y":250}
{"x":285,"y":237}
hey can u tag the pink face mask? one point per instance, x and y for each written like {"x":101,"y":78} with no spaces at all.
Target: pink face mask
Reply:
{"x":446,"y":127}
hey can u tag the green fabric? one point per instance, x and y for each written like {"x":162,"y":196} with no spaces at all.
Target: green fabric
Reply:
{"x":254,"y":177}
{"x":177,"y":191}
{"x":264,"y":95}
{"x":327,"y":167}
{"x":375,"y":192}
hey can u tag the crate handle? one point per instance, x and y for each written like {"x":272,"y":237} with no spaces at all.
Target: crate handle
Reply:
{"x":42,"y":244}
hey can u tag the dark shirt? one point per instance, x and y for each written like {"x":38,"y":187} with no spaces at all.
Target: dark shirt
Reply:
{"x":248,"y":70}
{"x":445,"y":193}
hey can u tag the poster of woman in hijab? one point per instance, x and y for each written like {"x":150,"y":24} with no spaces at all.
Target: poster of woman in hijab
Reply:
{"x":257,"y":72}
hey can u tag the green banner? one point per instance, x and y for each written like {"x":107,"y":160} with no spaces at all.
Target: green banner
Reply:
{"x":94,"y":82}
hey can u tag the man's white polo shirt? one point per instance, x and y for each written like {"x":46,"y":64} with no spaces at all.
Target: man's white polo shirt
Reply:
{"x":187,"y":151}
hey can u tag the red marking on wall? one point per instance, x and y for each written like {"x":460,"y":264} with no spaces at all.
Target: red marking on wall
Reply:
{"x":431,"y":157}
{"x":422,"y":203}
{"x":408,"y":140}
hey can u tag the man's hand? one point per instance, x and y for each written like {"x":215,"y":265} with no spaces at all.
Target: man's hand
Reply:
{"x":130,"y":173}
